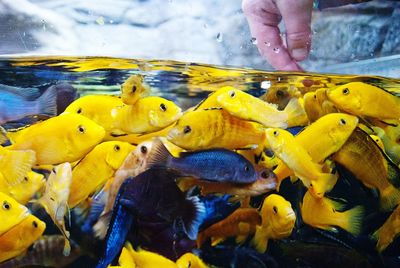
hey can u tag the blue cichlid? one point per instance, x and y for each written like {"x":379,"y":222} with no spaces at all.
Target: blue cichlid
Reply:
{"x":220,"y":165}
{"x":152,"y":196}
{"x":15,"y":104}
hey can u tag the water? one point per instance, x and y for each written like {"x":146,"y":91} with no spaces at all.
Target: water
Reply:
{"x":184,"y":83}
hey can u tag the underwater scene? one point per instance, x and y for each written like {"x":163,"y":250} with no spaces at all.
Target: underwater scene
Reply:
{"x":115,"y":162}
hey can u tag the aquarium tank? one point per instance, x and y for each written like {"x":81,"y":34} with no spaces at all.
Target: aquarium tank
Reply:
{"x":151,"y":133}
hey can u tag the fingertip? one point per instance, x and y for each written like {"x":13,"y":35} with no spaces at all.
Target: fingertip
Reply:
{"x":299,"y":53}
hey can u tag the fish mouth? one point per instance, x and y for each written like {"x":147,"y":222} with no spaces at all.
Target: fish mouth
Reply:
{"x":178,"y":115}
{"x":172,"y":134}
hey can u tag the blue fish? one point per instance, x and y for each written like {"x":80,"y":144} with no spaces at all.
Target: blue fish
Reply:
{"x":15,"y":105}
{"x":218,"y":165}
{"x":152,"y":197}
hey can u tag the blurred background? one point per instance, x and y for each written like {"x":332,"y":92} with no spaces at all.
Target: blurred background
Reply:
{"x":355,"y":39}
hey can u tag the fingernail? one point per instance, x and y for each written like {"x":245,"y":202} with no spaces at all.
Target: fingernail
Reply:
{"x":299,"y":53}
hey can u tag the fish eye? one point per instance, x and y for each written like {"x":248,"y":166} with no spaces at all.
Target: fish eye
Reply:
{"x":26,"y":179}
{"x":163,"y":107}
{"x":246,"y":168}
{"x":275,"y":209}
{"x":117,"y":148}
{"x":134,"y":88}
{"x":264,"y":174}
{"x":315,"y":96}
{"x":81,"y":129}
{"x":35,"y":224}
{"x":262,"y":158}
{"x":342,"y":122}
{"x":187,"y":129}
{"x":279,"y":93}
{"x":269,"y":153}
{"x":311,"y":184}
{"x":6,"y":205}
{"x":276,"y":133}
{"x":189,"y":264}
{"x":143,"y":149}
{"x":79,"y":110}
{"x":346,"y":91}
{"x":232,"y":94}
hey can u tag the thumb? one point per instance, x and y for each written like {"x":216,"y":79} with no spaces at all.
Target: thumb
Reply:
{"x":296,"y":15}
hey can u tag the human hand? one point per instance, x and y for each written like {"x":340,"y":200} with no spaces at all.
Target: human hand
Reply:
{"x":264,"y":16}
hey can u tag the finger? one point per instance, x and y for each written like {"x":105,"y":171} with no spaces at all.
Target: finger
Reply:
{"x":263,"y":18}
{"x":296,"y":15}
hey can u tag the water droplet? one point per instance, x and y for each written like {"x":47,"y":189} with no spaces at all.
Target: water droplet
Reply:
{"x":276,"y":50}
{"x":253,"y":40}
{"x":111,"y":21}
{"x":24,"y":34}
{"x":265,"y":84}
{"x":205,"y":25}
{"x":100,"y":20}
{"x":371,"y":54}
{"x":219,"y":37}
{"x":268,"y":44}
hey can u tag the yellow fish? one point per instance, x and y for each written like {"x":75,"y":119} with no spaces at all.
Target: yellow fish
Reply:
{"x":144,"y":258}
{"x":11,"y":213}
{"x":19,"y":238}
{"x":133,"y":165}
{"x":324,"y":213}
{"x":23,"y":191}
{"x":278,"y":219}
{"x":388,"y":231}
{"x":366,"y":161}
{"x":291,"y":152}
{"x":55,"y":197}
{"x":215,"y":128}
{"x":241,"y":223}
{"x":312,"y":107}
{"x":245,"y":106}
{"x":322,"y":138}
{"x":14,"y":164}
{"x":189,"y":260}
{"x":149,"y":114}
{"x":97,"y":108}
{"x":96,"y":168}
{"x":134,"y":88}
{"x":390,"y":136}
{"x":139,"y":138}
{"x":64,"y":138}
{"x":280,"y":95}
{"x":365,"y":100}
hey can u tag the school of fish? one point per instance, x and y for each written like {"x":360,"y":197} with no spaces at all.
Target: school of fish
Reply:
{"x":132,"y":180}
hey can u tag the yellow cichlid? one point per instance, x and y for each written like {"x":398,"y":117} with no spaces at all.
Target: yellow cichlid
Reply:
{"x":144,"y":258}
{"x":366,"y":161}
{"x":296,"y":157}
{"x":365,"y":100}
{"x":96,"y":168}
{"x":378,"y":141}
{"x":390,"y":136}
{"x":11,"y":213}
{"x":149,"y":114}
{"x":189,"y":260}
{"x":325,"y":213}
{"x":388,"y":231}
{"x":19,"y":238}
{"x":215,"y":128}
{"x":312,"y":106}
{"x":245,"y":106}
{"x":134,"y":88}
{"x":322,"y":138}
{"x":15,"y":164}
{"x":278,"y":219}
{"x":55,"y":197}
{"x":23,"y":191}
{"x":64,"y":138}
{"x":97,"y":108}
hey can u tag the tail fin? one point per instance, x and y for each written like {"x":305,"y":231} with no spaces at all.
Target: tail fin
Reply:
{"x":296,"y":113}
{"x":158,"y":155}
{"x":15,"y":164}
{"x":96,"y":209}
{"x":354,"y":218}
{"x":194,"y":216}
{"x":47,"y":103}
{"x":101,"y":227}
{"x":260,"y":240}
{"x":390,"y":197}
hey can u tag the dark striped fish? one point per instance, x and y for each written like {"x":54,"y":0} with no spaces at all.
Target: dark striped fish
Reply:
{"x":47,"y":251}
